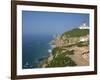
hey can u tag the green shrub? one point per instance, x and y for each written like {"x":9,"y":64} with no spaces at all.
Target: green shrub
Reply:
{"x":81,"y":44}
{"x":76,"y":33}
{"x":61,"y":61}
{"x":56,"y":50}
{"x":70,"y":52}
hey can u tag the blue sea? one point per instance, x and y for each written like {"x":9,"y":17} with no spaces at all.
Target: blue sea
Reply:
{"x":34,"y":48}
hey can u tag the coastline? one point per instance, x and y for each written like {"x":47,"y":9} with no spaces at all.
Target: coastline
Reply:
{"x":72,"y":49}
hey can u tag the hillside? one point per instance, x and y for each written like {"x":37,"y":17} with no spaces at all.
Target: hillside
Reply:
{"x":76,"y":32}
{"x":69,"y":49}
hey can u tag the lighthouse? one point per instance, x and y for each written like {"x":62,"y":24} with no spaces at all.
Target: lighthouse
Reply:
{"x":84,"y":26}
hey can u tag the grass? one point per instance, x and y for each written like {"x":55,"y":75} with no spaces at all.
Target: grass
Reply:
{"x":56,"y":50}
{"x":61,"y":61}
{"x":69,"y":45}
{"x":69,"y":52}
{"x":76,"y":33}
{"x":59,"y":57}
{"x":82,"y":44}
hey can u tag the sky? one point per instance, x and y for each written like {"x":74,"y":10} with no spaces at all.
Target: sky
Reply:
{"x":39,"y":22}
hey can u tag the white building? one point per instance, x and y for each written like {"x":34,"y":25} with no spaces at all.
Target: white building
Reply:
{"x":85,"y":38}
{"x":84,"y":26}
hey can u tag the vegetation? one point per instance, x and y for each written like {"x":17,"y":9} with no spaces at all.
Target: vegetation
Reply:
{"x":56,"y":50}
{"x":61,"y":61}
{"x":69,"y":52}
{"x":61,"y":54}
{"x":81,"y":44}
{"x":76,"y":33}
{"x":59,"y":50}
{"x":69,"y":45}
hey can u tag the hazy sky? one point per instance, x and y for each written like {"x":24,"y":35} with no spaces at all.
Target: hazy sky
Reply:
{"x":36,"y":22}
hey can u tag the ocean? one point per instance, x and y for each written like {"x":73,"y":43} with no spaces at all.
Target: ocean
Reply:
{"x":34,"y":49}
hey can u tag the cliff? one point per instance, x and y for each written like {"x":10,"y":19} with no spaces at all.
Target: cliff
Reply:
{"x":69,"y":49}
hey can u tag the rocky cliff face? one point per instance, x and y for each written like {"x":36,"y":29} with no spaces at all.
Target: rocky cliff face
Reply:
{"x":70,"y":49}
